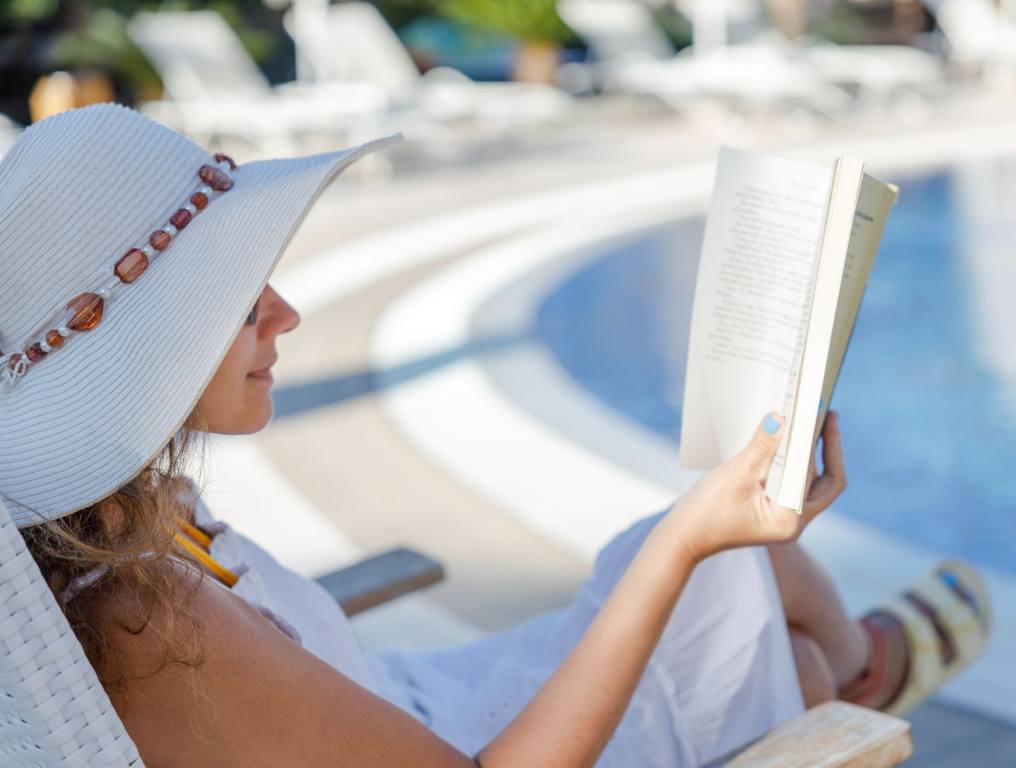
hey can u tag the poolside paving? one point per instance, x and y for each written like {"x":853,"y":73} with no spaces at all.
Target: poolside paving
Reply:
{"x":336,"y":445}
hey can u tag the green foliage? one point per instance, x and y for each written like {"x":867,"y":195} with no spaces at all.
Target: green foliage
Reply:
{"x":842,"y":26}
{"x":399,"y":13}
{"x":260,"y":43}
{"x":674,"y":24}
{"x":27,"y":9}
{"x":529,"y":20}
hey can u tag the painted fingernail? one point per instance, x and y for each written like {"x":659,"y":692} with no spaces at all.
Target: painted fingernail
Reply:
{"x":771,"y":425}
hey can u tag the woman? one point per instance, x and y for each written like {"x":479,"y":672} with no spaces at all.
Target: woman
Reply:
{"x":154,"y":259}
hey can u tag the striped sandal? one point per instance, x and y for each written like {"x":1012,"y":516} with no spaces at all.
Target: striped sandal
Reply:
{"x":946,"y":619}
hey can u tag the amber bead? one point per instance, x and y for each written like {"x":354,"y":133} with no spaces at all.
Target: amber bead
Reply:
{"x":84,"y":312}
{"x":220,"y":156}
{"x":35,"y":353}
{"x":159,"y":240}
{"x":131,"y":266}
{"x":13,"y":360}
{"x":216,"y":178}
{"x":199,"y":200}
{"x":180,"y":219}
{"x":54,"y":339}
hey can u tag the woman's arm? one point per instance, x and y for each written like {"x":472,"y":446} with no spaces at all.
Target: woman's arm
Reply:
{"x":574,"y":714}
{"x":570,"y":720}
{"x":262,"y":699}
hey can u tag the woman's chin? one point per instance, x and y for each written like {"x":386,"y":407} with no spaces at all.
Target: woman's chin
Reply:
{"x":263,"y":414}
{"x":260,"y":407}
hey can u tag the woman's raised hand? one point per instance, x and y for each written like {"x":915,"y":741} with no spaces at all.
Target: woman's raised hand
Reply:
{"x":728,"y":506}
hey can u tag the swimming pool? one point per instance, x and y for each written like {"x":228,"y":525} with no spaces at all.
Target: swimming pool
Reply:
{"x":928,"y":391}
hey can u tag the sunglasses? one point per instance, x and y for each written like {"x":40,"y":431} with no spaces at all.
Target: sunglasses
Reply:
{"x":252,"y":318}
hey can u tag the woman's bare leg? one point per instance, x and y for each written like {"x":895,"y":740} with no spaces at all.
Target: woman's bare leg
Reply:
{"x":813,"y":609}
{"x":818,"y":683}
{"x":812,"y":605}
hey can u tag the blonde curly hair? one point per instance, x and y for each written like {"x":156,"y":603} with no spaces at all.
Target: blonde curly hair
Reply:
{"x":128,"y":537}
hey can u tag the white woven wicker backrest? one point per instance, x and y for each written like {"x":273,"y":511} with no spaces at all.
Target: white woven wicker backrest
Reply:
{"x":53,"y":710}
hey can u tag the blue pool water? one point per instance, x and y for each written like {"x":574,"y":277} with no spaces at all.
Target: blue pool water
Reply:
{"x":928,"y":424}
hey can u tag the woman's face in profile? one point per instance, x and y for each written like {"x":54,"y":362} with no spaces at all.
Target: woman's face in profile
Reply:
{"x":238,"y":398}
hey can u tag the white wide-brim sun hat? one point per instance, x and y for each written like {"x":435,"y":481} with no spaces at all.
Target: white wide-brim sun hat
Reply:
{"x":77,"y":191}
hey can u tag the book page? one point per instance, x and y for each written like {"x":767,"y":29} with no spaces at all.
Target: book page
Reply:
{"x":873,"y":204}
{"x":752,"y":298}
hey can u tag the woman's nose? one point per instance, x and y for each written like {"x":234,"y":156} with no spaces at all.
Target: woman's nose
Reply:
{"x":293,"y":318}
{"x":284,"y":315}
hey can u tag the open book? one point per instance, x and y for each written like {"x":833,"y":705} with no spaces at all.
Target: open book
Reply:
{"x":788,"y":249}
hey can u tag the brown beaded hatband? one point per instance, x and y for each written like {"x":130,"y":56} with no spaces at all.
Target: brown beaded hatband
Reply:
{"x":84,"y":311}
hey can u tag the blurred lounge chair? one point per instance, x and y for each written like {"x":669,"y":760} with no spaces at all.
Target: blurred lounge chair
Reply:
{"x":632,"y":55}
{"x":629,"y":52}
{"x":980,"y":37}
{"x":55,"y":713}
{"x":9,"y":132}
{"x":216,"y":89}
{"x":877,"y":74}
{"x":365,"y":48}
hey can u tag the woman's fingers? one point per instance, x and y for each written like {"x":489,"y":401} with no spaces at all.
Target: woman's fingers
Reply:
{"x":832,"y":451}
{"x":823,"y":493}
{"x":833,"y":480}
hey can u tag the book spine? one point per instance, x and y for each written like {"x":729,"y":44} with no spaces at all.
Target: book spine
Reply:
{"x":790,"y":487}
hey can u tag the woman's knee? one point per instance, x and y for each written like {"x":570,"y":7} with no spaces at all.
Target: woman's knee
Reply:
{"x":814,"y":673}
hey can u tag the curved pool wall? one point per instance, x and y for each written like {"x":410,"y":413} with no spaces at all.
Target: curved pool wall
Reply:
{"x":927,"y":390}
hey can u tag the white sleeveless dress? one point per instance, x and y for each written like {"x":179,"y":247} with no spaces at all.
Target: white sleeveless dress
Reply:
{"x":722,"y":674}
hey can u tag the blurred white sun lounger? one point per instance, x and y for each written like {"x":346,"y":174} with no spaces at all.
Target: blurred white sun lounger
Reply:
{"x":763,"y":69}
{"x":215,"y":88}
{"x":364,"y":48}
{"x":9,"y":132}
{"x":979,"y":36}
{"x":875,"y":73}
{"x":633,"y":55}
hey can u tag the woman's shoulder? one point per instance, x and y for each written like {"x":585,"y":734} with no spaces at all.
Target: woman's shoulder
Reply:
{"x":151,"y":622}
{"x":260,"y":698}
{"x":225,"y":648}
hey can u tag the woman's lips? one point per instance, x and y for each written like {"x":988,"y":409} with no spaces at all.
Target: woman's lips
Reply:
{"x":265,"y":374}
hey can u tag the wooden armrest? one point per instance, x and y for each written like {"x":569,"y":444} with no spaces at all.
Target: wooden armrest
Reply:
{"x":832,"y":735}
{"x":381,"y":578}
